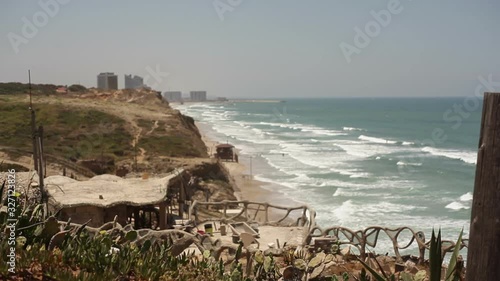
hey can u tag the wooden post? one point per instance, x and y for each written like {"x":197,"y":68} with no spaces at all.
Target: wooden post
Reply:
{"x":163,"y":216}
{"x":41,"y":166}
{"x":34,"y":139}
{"x":137,"y":223}
{"x":182,"y":200}
{"x":484,"y":238}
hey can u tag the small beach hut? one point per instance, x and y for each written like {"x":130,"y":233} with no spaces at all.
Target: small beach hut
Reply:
{"x":225,"y":152}
{"x":103,"y":197}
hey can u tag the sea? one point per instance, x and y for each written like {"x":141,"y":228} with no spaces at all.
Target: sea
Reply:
{"x":359,"y":162}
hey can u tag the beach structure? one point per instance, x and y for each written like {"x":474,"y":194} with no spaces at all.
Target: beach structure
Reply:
{"x":147,"y":202}
{"x":225,"y":152}
{"x":107,"y":81}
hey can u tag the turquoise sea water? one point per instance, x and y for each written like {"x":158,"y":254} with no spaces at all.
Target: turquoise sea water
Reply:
{"x":359,"y":162}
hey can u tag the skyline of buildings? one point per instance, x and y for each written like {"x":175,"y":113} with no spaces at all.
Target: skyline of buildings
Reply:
{"x":109,"y":81}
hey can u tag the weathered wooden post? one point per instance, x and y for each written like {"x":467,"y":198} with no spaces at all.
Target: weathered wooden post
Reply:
{"x":163,"y":216}
{"x":483,"y":258}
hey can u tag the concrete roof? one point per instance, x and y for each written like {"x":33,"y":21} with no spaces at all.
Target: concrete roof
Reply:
{"x":67,"y":192}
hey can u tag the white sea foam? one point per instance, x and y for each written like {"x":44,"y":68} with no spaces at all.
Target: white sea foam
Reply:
{"x":345,"y":212}
{"x":352,"y":129}
{"x":402,"y":163}
{"x":457,"y":206}
{"x":469,"y":157}
{"x":376,"y":140}
{"x":305,"y":128}
{"x":365,"y":149}
{"x":408,"y":143}
{"x":466,"y":197}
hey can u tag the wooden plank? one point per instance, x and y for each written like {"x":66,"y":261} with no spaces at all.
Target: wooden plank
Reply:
{"x":484,"y":239}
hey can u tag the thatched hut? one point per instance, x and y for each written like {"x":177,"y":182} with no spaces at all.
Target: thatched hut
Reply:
{"x":103,"y":197}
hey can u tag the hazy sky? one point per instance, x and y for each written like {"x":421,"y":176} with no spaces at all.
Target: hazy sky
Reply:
{"x":250,"y":48}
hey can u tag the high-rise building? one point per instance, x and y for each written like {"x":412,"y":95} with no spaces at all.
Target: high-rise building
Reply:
{"x":198,"y":95}
{"x":107,"y":81}
{"x":133,"y":82}
{"x":173,"y":96}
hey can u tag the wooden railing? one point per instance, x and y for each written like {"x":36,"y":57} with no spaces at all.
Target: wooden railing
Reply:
{"x":369,"y":237}
{"x":252,"y":212}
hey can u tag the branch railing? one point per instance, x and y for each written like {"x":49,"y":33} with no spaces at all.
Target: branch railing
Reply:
{"x":252,"y":212}
{"x":369,"y":237}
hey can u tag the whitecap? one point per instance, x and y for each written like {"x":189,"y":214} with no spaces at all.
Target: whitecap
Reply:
{"x":352,"y":129}
{"x":456,"y":206}
{"x":376,"y":140}
{"x":402,"y":163}
{"x":469,"y":157}
{"x":466,"y":197}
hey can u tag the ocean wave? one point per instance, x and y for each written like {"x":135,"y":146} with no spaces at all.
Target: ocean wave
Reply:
{"x":402,"y":163}
{"x":466,"y":197}
{"x":466,"y":156}
{"x":352,"y":129}
{"x":349,"y":211}
{"x":376,"y":140}
{"x":365,"y":149}
{"x":305,"y":128}
{"x":408,"y":143}
{"x":457,"y":206}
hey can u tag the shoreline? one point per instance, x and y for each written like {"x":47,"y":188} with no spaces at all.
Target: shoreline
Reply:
{"x":246,"y":187}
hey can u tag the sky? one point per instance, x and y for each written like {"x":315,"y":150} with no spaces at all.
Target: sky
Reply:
{"x":257,"y":49}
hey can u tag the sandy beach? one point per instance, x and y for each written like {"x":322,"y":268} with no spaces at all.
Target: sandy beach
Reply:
{"x":247,"y":188}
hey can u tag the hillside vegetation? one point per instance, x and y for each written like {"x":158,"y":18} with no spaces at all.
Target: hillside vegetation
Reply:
{"x":122,"y":127}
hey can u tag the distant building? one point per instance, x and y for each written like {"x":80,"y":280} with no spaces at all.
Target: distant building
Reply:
{"x":198,"y":95}
{"x":173,"y":96}
{"x":107,"y":81}
{"x":62,"y":90}
{"x":133,"y":82}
